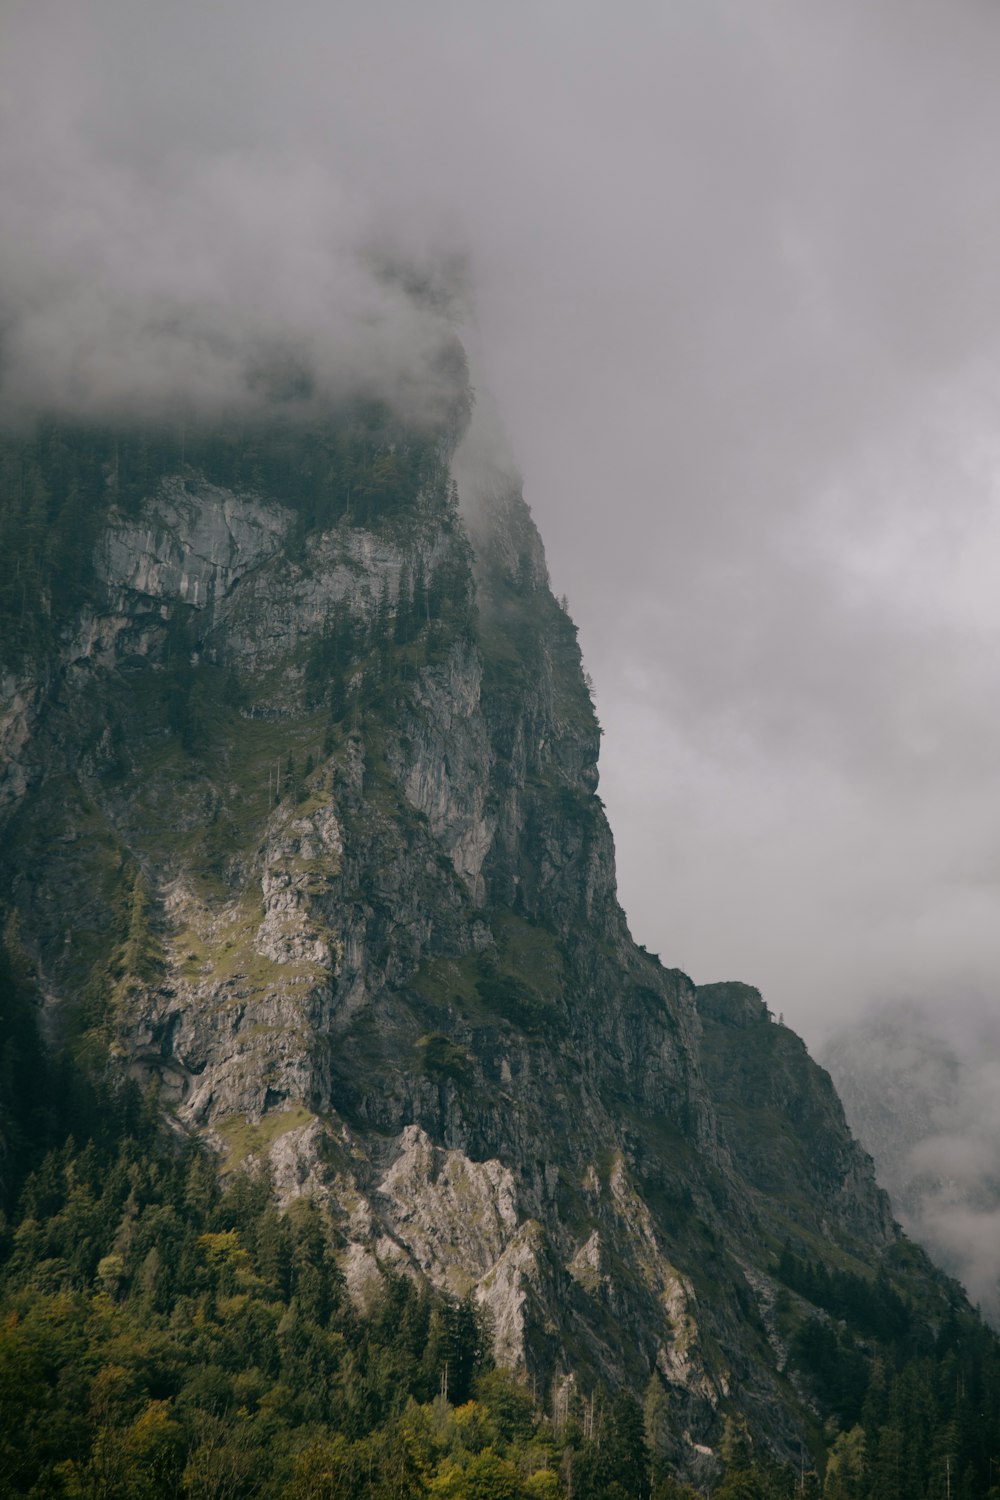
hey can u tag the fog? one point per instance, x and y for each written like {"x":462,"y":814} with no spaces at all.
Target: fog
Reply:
{"x":924,"y":1097}
{"x":730,"y":273}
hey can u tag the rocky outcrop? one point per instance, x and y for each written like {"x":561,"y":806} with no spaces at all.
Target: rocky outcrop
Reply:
{"x":192,"y":543}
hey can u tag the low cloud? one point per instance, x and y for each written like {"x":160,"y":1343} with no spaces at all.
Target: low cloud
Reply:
{"x":146,"y":274}
{"x":921,"y":1089}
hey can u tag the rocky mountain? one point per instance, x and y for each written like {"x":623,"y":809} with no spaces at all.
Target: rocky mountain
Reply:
{"x":301,"y":831}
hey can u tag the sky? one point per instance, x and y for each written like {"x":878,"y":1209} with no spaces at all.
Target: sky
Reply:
{"x":729,"y":271}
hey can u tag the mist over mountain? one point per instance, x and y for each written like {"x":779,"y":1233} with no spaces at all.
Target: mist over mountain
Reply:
{"x":921,"y":1095}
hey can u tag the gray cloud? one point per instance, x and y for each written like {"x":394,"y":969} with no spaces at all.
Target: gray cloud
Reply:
{"x":156,"y":260}
{"x":735,"y":286}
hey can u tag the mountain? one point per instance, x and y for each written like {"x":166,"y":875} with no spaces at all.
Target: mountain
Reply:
{"x":301,"y":835}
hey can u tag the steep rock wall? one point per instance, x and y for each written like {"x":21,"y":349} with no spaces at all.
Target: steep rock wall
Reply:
{"x":377,"y":940}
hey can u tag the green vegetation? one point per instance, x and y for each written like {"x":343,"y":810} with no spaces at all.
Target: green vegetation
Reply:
{"x":139,"y":958}
{"x":163,"y":1336}
{"x":244,"y":1139}
{"x":444,"y":1060}
{"x":529,"y":951}
{"x":873,"y":1305}
{"x":444,"y":982}
{"x":523,"y":980}
{"x":913,"y":1402}
{"x":520,"y":982}
{"x":53,"y":500}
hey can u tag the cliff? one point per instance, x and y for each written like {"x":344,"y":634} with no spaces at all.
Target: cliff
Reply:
{"x":301,"y":827}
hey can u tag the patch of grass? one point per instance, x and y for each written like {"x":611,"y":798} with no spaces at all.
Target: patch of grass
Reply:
{"x":230,"y":951}
{"x":813,"y":1244}
{"x":193,"y":954}
{"x":444,"y":1060}
{"x":242,"y":1138}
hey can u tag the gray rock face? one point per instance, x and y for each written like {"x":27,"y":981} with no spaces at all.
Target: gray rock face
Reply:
{"x":383,"y":948}
{"x":189,"y":545}
{"x":444,"y":773}
{"x":18,"y":704}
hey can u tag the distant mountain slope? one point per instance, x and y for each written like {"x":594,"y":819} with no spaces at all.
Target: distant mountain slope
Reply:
{"x":927,"y":1109}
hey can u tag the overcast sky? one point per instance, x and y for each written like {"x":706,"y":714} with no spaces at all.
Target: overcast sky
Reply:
{"x":732,"y":274}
